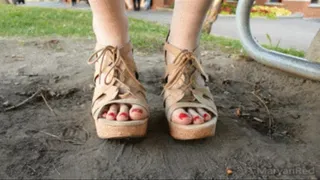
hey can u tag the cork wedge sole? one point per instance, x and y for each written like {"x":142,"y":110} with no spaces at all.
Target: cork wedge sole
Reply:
{"x":190,"y":132}
{"x":107,"y":129}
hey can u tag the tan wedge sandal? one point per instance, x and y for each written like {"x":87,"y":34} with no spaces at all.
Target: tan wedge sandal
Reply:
{"x":182,"y":91}
{"x":121,"y":86}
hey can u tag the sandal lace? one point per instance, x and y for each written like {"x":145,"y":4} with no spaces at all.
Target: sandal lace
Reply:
{"x":184,"y":60}
{"x":114,"y":61}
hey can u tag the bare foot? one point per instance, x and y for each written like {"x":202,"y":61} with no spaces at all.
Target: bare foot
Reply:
{"x":122,"y":112}
{"x":187,"y":116}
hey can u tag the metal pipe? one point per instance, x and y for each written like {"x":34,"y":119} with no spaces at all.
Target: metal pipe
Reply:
{"x":288,"y":63}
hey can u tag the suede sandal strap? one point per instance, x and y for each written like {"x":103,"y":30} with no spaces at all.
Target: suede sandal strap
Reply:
{"x":120,"y":81}
{"x":181,"y":89}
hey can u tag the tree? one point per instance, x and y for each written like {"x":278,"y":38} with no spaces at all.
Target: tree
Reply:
{"x":212,"y":16}
{"x":313,"y":53}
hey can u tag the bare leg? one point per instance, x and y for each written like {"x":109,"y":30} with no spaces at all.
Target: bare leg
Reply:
{"x":188,"y":17}
{"x":110,"y":22}
{"x":110,"y":25}
{"x":129,"y":4}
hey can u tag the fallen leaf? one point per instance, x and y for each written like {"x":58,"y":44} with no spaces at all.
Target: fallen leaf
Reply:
{"x":229,"y":171}
{"x":54,"y":41}
{"x":238,"y":112}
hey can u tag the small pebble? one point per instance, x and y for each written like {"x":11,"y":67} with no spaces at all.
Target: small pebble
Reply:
{"x":21,"y":93}
{"x":91,"y":86}
{"x":6,"y":103}
{"x":52,"y":93}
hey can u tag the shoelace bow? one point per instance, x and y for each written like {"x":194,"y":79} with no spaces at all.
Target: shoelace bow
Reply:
{"x":115,"y":60}
{"x":181,"y":63}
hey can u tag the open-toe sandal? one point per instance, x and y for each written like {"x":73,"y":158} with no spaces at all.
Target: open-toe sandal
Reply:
{"x":181,"y":90}
{"x":119,"y":86}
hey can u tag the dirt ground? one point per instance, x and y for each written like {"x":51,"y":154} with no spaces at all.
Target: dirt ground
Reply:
{"x":268,"y":125}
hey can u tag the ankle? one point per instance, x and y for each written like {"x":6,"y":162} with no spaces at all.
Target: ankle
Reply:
{"x":184,"y":43}
{"x":169,"y":58}
{"x":107,"y":36}
{"x":191,"y":47}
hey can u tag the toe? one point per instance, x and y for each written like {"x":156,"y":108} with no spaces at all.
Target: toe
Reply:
{"x":137,"y":112}
{"x":206,"y":116}
{"x":180,"y":116}
{"x":196,"y":118}
{"x":104,"y":113}
{"x":112,"y":113}
{"x":123,"y":114}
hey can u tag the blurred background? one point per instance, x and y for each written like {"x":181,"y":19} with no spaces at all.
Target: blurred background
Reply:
{"x":277,"y":22}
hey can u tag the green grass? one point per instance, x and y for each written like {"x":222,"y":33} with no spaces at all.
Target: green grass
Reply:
{"x":146,"y":36}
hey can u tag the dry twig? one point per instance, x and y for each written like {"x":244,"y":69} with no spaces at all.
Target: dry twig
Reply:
{"x":56,"y":169}
{"x":52,"y":135}
{"x":32,"y":169}
{"x":267,"y":109}
{"x":120,"y":152}
{"x":63,"y":140}
{"x":23,"y":102}
{"x":40,"y":91}
{"x":45,"y":101}
{"x":258,"y":119}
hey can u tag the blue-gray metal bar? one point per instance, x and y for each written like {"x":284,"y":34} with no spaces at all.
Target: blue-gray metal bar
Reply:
{"x":288,"y":63}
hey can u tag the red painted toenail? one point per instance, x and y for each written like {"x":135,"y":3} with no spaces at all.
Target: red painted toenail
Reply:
{"x":104,"y":114}
{"x":195,"y":118}
{"x":205,"y":115}
{"x":183,"y":115}
{"x":112,"y":114}
{"x":137,"y":110}
{"x":124,"y":114}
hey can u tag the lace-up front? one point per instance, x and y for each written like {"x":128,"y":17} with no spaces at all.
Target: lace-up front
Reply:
{"x":117,"y":81}
{"x":185,"y":64}
{"x":115,"y":68}
{"x":182,"y":89}
{"x":102,"y":56}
